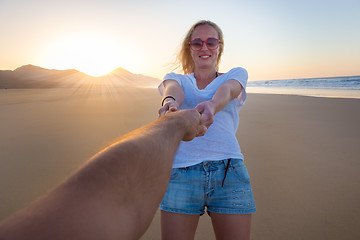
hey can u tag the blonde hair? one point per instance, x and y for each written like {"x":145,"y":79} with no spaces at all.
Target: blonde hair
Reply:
{"x":184,"y":59}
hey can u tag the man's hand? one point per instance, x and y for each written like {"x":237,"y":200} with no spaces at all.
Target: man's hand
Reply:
{"x":190,"y":119}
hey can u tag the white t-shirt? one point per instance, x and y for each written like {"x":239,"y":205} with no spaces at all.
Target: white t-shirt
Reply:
{"x":219,"y":142}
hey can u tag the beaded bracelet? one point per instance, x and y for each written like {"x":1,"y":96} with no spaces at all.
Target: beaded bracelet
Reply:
{"x":162,"y":103}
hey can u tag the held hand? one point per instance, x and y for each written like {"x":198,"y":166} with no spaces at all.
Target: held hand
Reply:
{"x":190,"y":120}
{"x":207,"y":111}
{"x":169,"y":106}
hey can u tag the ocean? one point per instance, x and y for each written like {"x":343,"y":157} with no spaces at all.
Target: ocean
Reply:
{"x":343,"y":87}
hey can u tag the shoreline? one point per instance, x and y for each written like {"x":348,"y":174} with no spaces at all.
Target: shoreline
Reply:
{"x":322,"y":93}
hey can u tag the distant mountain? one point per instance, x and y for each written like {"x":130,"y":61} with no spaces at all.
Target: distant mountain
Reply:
{"x":30,"y":76}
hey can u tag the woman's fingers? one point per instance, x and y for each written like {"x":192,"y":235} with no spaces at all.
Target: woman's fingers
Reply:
{"x":169,"y":107}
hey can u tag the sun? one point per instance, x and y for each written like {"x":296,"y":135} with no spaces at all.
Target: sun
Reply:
{"x":91,"y":54}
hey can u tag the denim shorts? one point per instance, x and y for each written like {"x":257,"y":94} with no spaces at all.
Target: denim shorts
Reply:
{"x":192,"y":189}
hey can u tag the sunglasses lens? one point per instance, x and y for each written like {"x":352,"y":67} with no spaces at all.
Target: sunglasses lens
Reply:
{"x":212,"y":43}
{"x":196,"y":44}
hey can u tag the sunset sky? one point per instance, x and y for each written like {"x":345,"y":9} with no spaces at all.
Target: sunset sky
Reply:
{"x":276,"y":39}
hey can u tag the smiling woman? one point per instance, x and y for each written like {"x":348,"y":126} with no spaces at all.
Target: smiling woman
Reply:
{"x":92,"y":55}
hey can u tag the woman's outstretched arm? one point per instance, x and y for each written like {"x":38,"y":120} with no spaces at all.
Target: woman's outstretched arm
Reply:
{"x":225,"y":93}
{"x":175,"y":97}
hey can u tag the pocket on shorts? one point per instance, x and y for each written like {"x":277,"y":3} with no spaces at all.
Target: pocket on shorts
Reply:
{"x":176,"y":173}
{"x":239,"y":170}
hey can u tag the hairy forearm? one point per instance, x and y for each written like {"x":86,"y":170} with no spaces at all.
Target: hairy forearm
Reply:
{"x":144,"y":153}
{"x":137,"y":181}
{"x":116,"y":194}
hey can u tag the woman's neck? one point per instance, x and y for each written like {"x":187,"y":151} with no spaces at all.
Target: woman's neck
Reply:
{"x":204,"y":78}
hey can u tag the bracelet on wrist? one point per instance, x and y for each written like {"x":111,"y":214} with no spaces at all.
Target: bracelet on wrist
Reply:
{"x":162,"y":103}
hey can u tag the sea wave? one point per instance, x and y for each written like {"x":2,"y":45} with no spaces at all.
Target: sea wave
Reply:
{"x":343,"y":83}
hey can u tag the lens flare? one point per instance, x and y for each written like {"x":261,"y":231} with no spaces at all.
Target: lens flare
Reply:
{"x":92,"y":55}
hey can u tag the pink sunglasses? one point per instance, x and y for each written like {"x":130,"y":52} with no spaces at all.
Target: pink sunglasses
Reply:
{"x":211,"y":44}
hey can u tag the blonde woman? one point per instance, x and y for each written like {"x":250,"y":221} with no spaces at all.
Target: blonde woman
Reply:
{"x":208,"y":172}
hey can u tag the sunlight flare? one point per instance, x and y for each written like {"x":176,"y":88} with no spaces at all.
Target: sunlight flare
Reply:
{"x":90,"y":54}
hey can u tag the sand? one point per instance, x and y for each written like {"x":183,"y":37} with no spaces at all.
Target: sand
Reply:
{"x":302,"y":153}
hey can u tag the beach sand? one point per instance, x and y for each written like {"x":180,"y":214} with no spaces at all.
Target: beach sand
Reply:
{"x":302,"y":153}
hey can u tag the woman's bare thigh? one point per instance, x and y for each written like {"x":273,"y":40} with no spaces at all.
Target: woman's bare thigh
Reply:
{"x":176,"y":226}
{"x":231,"y":226}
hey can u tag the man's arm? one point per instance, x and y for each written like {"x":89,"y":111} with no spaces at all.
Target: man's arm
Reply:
{"x":116,"y":193}
{"x":223,"y":95}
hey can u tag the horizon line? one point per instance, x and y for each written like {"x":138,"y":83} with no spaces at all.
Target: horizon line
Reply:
{"x":29,"y":64}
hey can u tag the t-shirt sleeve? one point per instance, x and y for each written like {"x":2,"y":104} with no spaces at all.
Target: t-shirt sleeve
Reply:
{"x":241,"y":75}
{"x":172,"y":76}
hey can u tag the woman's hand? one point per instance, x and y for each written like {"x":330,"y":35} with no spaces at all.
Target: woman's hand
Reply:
{"x":207,"y":111}
{"x":170,"y":105}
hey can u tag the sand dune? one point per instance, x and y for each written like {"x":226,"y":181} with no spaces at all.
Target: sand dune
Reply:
{"x":302,"y":153}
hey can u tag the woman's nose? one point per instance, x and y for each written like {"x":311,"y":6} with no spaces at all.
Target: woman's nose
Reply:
{"x":204,"y":46}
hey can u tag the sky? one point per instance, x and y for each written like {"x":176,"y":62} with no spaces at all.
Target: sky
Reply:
{"x":277,"y":39}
